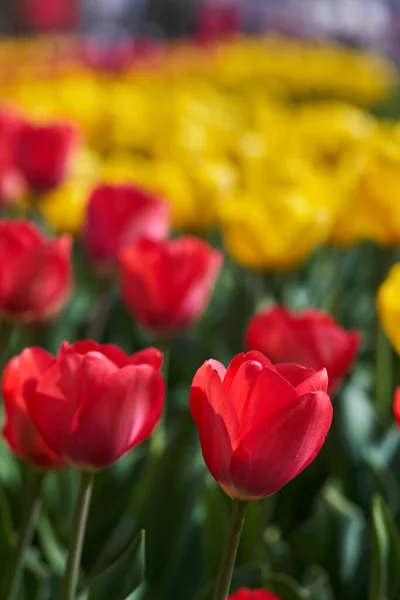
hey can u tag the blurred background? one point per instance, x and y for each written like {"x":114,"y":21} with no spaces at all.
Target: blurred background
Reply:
{"x":371,"y":22}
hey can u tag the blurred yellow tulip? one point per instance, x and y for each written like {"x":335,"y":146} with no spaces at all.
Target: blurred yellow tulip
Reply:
{"x":389,"y":306}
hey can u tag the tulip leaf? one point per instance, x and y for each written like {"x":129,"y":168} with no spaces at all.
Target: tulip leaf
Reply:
{"x":349,"y":523}
{"x":124,"y":576}
{"x":385,"y":557}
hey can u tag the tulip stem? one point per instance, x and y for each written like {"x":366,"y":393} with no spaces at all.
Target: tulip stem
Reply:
{"x":384,"y":372}
{"x":78,"y":534}
{"x":98,"y":322}
{"x":6,"y":335}
{"x":25,"y":537}
{"x":227,"y":564}
{"x":159,"y":437}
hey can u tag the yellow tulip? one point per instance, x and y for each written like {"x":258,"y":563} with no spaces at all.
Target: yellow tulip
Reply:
{"x":64,"y":208}
{"x":389,"y":306}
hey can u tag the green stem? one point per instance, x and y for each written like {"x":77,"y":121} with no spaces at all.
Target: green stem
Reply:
{"x":6,"y":335}
{"x":103,"y":303}
{"x":223,"y":584}
{"x":159,"y":437}
{"x":25,"y":537}
{"x":384,"y":372}
{"x":78,"y":534}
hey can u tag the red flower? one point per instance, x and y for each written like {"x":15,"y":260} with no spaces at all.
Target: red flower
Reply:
{"x":121,"y":214}
{"x":218,"y":20}
{"x":246,"y":594}
{"x":167,"y":285}
{"x":260,"y":425}
{"x":44,"y":152}
{"x":35,"y":274}
{"x":311,"y":338}
{"x":93,"y":403}
{"x":19,"y":431}
{"x":396,"y":406}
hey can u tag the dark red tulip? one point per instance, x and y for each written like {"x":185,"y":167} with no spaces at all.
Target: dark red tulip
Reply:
{"x":260,"y":425}
{"x":118,"y":215}
{"x":19,"y":431}
{"x":44,"y":152}
{"x":311,"y":338}
{"x":94,"y":403}
{"x":246,"y":594}
{"x":167,"y":285}
{"x":36,"y":272}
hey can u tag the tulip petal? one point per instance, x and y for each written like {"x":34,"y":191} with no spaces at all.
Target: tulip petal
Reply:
{"x":125,"y":414}
{"x":282,"y":446}
{"x":208,"y":379}
{"x":270,"y":393}
{"x":148,"y":356}
{"x":20,"y":431}
{"x":237,"y":362}
{"x":304,"y":379}
{"x":216,"y":445}
{"x":49,"y":408}
{"x":62,"y":390}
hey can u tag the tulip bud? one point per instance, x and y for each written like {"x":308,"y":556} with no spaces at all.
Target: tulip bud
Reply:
{"x":167,"y":285}
{"x":118,"y":215}
{"x":36,"y":272}
{"x":311,"y":338}
{"x":260,"y":425}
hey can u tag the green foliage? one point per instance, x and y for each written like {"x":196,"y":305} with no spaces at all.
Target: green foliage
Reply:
{"x":331,"y":534}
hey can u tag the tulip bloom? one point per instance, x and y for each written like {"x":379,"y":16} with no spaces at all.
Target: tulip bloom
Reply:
{"x":36,"y":272}
{"x":396,"y":406}
{"x":92,"y":403}
{"x":121,"y":214}
{"x":43,"y":153}
{"x":246,"y":594}
{"x":167,"y":285}
{"x":389,"y":306}
{"x":260,"y":425}
{"x":311,"y":338}
{"x":19,"y":431}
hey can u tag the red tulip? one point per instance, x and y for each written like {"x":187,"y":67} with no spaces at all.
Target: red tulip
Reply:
{"x":94,"y":403}
{"x":260,"y":425}
{"x":44,"y":152}
{"x":396,"y":406}
{"x":167,"y":285}
{"x":35,"y":274}
{"x":121,"y":214}
{"x":20,"y":431}
{"x":311,"y":338}
{"x":246,"y":594}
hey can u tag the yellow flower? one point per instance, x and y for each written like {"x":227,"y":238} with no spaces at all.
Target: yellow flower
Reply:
{"x":277,"y":229}
{"x":64,"y":208}
{"x":389,"y":306}
{"x":372,"y":211}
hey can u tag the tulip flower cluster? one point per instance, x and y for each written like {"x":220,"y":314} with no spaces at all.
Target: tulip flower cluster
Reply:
{"x":226,"y":149}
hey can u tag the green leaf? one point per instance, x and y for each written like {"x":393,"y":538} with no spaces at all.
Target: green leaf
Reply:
{"x":124,"y":576}
{"x":385,"y":558}
{"x":350,"y":525}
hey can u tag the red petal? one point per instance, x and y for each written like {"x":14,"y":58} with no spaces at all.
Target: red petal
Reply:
{"x":303,"y":379}
{"x":208,"y":379}
{"x":237,"y":362}
{"x":148,"y":356}
{"x":216,"y":445}
{"x":282,"y":446}
{"x":125,"y":414}
{"x":396,"y":406}
{"x":271,"y":393}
